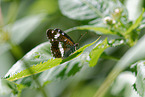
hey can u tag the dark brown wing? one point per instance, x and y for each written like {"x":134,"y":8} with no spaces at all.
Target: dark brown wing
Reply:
{"x":54,"y":43}
{"x":57,"y":37}
{"x":64,"y":36}
{"x":55,"y":49}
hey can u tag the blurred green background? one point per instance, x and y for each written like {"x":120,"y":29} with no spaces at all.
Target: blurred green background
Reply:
{"x":23,"y":25}
{"x":32,"y":18}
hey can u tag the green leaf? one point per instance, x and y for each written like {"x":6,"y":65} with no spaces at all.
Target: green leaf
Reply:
{"x":136,"y":24}
{"x":7,"y":87}
{"x":76,"y":9}
{"x":99,"y":49}
{"x":79,"y":51}
{"x":76,"y":68}
{"x":134,"y":54}
{"x":87,"y":9}
{"x":123,"y":85}
{"x":64,"y":70}
{"x":27,"y":65}
{"x":96,"y":29}
{"x":4,"y":87}
{"x":142,"y":22}
{"x":140,"y":80}
{"x":96,"y":52}
{"x":36,"y":69}
{"x":22,"y":28}
{"x":41,"y":53}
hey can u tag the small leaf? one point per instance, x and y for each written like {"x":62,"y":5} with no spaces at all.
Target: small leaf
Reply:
{"x":99,"y":49}
{"x":96,"y":52}
{"x":140,"y":80}
{"x":95,"y":29}
{"x":142,"y":22}
{"x":79,"y":51}
{"x":36,"y":69}
{"x":136,"y":24}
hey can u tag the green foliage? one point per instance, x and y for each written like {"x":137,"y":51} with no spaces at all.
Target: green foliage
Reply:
{"x":34,"y":69}
{"x":140,"y":83}
{"x":23,"y":27}
{"x":7,"y":87}
{"x":136,"y":24}
{"x":78,"y":52}
{"x":93,"y":28}
{"x":96,"y":52}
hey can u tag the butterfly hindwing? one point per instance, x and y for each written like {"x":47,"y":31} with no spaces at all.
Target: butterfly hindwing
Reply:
{"x":55,"y":49}
{"x":61,"y":44}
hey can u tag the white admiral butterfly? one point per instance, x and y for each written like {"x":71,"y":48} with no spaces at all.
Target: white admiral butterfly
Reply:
{"x":61,"y":44}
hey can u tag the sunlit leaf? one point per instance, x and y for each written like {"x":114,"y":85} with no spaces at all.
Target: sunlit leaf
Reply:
{"x":78,"y":52}
{"x":65,"y":70}
{"x":136,"y":24}
{"x":100,"y":47}
{"x":100,"y":30}
{"x":27,"y":65}
{"x":96,"y":52}
{"x":35,"y":69}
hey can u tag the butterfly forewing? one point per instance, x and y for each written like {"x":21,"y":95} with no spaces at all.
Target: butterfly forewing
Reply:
{"x":55,"y":49}
{"x":61,"y":44}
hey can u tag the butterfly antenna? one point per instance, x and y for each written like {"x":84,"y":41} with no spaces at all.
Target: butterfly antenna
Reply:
{"x":81,"y":37}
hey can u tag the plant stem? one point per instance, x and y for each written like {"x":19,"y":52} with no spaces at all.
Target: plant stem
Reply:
{"x":105,"y":86}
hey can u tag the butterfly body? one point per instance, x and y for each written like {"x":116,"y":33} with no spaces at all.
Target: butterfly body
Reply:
{"x":61,"y":44}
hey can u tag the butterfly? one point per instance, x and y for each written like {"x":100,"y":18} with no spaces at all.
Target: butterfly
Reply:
{"x":61,"y":44}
